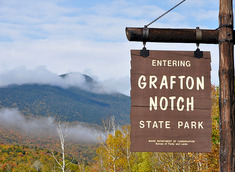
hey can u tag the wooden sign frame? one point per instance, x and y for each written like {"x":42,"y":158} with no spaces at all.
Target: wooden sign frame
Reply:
{"x":170,"y":102}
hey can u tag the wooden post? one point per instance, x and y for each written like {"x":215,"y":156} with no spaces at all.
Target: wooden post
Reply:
{"x":226,"y":77}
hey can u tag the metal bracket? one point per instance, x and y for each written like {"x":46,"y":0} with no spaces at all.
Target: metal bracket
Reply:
{"x":226,"y":25}
{"x":198,"y":53}
{"x":144,"y":52}
{"x":198,"y":34}
{"x":226,"y":40}
{"x":226,"y":21}
{"x":145,"y":33}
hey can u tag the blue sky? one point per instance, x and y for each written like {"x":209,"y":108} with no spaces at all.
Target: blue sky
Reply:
{"x":89,"y":36}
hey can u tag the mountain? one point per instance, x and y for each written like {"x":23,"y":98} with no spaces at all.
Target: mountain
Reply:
{"x":66,"y":104}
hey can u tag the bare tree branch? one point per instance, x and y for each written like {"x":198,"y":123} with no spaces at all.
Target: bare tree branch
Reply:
{"x":63,"y":133}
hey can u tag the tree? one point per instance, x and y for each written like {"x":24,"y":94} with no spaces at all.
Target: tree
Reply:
{"x":37,"y":165}
{"x":114,"y":153}
{"x":63,"y":133}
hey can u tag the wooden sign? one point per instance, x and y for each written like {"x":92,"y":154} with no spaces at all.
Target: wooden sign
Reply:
{"x":170,"y":102}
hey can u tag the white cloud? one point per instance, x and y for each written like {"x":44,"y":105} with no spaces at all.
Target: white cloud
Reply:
{"x":205,"y":15}
{"x":120,"y":84}
{"x":41,"y":75}
{"x":45,"y":125}
{"x":103,"y":21}
{"x":105,"y":59}
{"x":70,"y":38}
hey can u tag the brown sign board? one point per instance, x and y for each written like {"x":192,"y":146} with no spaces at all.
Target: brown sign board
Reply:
{"x":170,"y":102}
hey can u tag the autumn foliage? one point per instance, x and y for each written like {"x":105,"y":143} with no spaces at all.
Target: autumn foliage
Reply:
{"x":112,"y":154}
{"x":115,"y":155}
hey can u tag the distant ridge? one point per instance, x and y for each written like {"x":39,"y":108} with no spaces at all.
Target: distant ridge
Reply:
{"x":66,"y":104}
{"x":90,"y":82}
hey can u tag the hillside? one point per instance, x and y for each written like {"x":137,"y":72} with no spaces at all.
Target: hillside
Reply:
{"x":66,"y":104}
{"x":16,"y":136}
{"x":31,"y":158}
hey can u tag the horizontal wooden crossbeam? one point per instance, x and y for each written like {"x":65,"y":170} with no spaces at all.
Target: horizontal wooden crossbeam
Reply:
{"x":173,"y":35}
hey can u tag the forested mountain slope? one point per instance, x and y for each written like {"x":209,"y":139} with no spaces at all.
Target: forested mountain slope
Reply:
{"x":66,"y":104}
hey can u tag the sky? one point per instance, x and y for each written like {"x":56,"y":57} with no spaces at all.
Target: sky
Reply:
{"x":63,"y":36}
